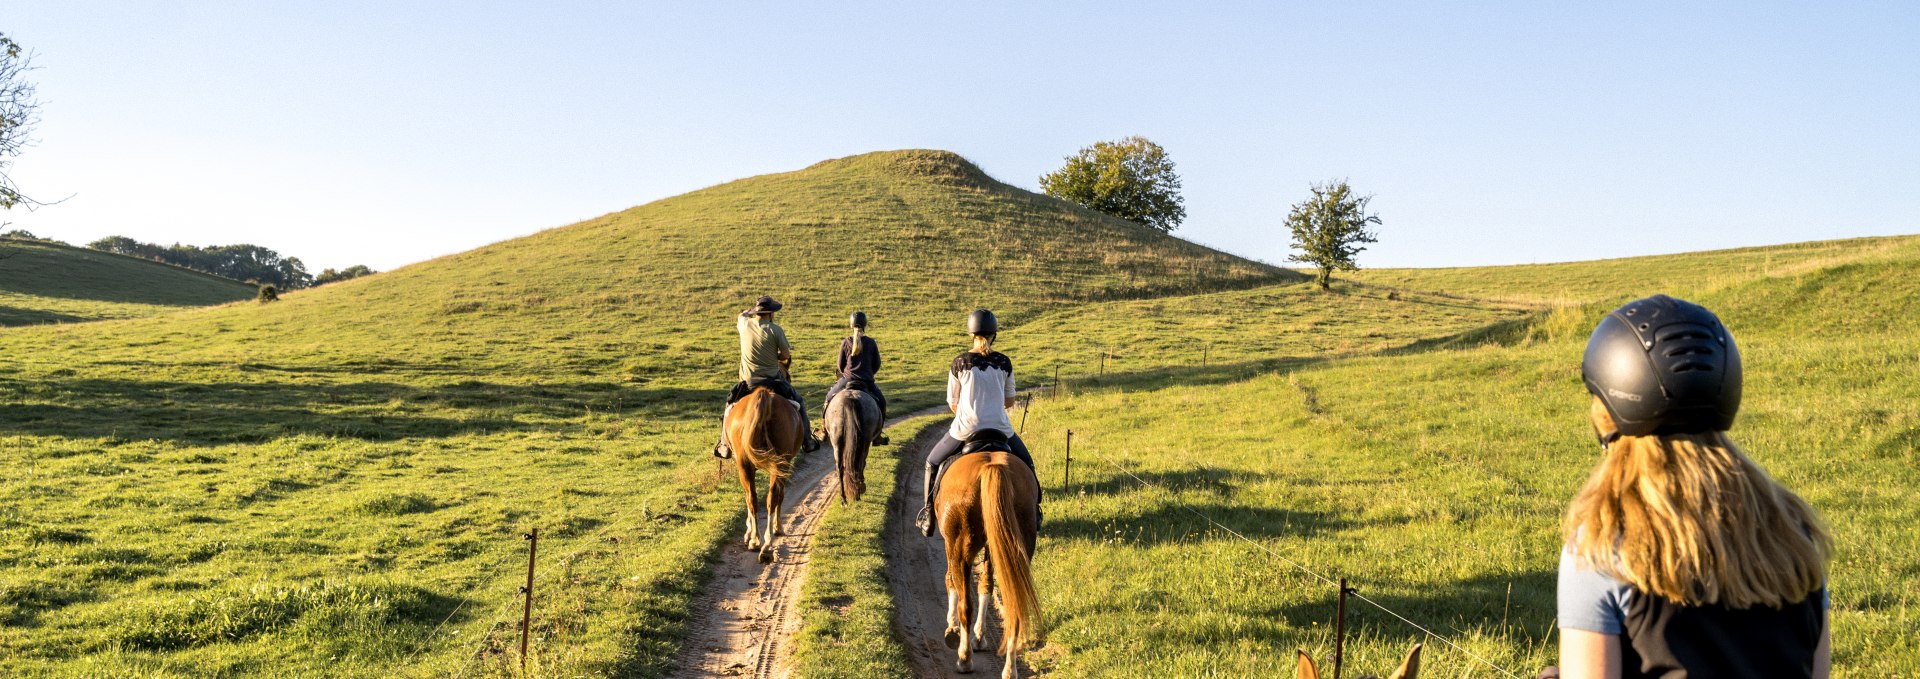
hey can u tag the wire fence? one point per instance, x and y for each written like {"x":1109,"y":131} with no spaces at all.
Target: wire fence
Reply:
{"x":1304,"y":569}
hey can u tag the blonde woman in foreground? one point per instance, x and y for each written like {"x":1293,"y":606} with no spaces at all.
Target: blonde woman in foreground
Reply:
{"x":1683,"y":557}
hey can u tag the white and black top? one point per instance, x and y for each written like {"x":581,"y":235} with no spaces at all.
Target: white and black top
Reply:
{"x":977,"y":390}
{"x":1661,"y":639}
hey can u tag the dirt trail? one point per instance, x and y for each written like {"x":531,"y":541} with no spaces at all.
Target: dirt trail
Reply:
{"x":746,"y":621}
{"x":917,"y":567}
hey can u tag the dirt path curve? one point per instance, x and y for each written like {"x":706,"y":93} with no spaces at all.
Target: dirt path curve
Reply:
{"x":917,"y":567}
{"x":746,"y":620}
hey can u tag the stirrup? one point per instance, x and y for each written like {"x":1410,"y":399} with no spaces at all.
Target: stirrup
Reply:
{"x":881,"y":439}
{"x":925,"y":520}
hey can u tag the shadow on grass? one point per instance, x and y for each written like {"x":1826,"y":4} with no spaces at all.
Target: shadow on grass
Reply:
{"x":1215,"y":480}
{"x":1481,"y":603}
{"x":1176,"y":523}
{"x":239,"y":412}
{"x":10,"y":316}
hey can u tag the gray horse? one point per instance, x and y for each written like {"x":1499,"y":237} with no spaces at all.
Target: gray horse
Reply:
{"x":853,"y":419}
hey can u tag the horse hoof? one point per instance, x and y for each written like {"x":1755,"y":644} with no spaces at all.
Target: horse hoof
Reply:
{"x":953,"y":638}
{"x":766,"y":555}
{"x":963,"y":666}
{"x":979,"y":643}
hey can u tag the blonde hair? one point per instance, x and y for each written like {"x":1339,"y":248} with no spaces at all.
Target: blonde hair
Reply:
{"x":1691,"y":519}
{"x":982,"y":342}
{"x":858,"y":332}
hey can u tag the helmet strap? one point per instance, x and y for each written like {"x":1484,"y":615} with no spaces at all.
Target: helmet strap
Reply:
{"x":1606,"y":438}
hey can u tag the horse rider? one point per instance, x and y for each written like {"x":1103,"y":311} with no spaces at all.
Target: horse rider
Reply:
{"x":979,"y":391}
{"x":764,"y":355}
{"x":1683,"y":557}
{"x":859,"y":360}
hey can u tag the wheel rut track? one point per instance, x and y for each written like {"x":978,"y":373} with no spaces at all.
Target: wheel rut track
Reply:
{"x":916,"y":569}
{"x":744,"y":618}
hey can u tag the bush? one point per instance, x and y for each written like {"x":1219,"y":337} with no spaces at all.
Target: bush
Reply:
{"x":268,"y":293}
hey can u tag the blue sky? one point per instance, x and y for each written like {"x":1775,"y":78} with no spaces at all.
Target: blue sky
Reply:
{"x":388,"y":133}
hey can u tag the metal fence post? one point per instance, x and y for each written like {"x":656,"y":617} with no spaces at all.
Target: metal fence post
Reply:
{"x":526,"y":612}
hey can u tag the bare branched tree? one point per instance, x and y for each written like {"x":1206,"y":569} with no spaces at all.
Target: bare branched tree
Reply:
{"x":19,"y":111}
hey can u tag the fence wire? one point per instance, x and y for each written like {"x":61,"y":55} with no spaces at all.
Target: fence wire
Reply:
{"x":1302,"y":568}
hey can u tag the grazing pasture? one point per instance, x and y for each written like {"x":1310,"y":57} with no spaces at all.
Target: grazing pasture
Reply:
{"x":43,"y":282}
{"x":1435,"y":474}
{"x":335,"y":484}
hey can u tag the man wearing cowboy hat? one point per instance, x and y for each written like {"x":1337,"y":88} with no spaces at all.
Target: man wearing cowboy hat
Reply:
{"x":764,"y":356}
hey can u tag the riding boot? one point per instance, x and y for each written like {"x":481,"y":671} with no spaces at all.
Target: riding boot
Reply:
{"x":722,"y":450}
{"x":813,"y":442}
{"x":925,"y":519}
{"x":880,"y":436}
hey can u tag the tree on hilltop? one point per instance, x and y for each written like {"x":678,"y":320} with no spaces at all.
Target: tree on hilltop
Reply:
{"x":1132,"y":179}
{"x":330,"y":275}
{"x":19,"y":111}
{"x":1329,"y":227}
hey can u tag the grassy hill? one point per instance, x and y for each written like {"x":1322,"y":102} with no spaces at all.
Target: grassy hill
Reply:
{"x":44,"y":282}
{"x":336,"y":484}
{"x":1435,"y":474}
{"x":313,"y":486}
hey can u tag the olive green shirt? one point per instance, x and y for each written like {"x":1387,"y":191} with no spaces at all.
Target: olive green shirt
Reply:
{"x":761,"y":342}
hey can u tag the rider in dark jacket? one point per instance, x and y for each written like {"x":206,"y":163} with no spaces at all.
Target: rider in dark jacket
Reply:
{"x":859,"y":360}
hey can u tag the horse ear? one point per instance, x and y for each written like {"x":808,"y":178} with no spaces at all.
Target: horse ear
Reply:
{"x":1306,"y":670}
{"x":1410,"y":668}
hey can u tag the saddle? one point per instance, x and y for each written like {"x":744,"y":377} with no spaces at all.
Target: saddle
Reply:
{"x":986,"y":440}
{"x":862,"y":385}
{"x":983,"y":441}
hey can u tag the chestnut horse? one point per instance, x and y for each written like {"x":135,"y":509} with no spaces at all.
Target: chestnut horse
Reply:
{"x":988,"y":501}
{"x":764,"y":431}
{"x":1409,"y":668}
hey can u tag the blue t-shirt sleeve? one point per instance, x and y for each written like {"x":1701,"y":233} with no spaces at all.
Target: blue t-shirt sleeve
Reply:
{"x":1590,"y":600}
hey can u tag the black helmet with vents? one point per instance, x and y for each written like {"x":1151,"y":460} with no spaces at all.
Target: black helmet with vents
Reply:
{"x":982,"y":322}
{"x":1664,"y":366}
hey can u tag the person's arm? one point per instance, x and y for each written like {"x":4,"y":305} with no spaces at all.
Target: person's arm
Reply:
{"x":1823,"y":656}
{"x":1011,"y":393}
{"x":876,"y":356}
{"x":840,"y":364}
{"x":1589,"y":655}
{"x":953,"y":392}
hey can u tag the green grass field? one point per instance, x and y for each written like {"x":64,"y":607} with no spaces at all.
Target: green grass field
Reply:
{"x":50,"y":283}
{"x":1433,"y":473}
{"x":336,"y":484}
{"x":311,"y":487}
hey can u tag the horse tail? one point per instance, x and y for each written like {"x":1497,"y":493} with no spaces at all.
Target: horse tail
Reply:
{"x":759,"y":443}
{"x":1013,"y":575}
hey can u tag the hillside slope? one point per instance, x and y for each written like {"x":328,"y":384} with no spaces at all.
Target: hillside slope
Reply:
{"x":1435,"y":477}
{"x":50,"y":283}
{"x":311,"y":487}
{"x":1685,"y":275}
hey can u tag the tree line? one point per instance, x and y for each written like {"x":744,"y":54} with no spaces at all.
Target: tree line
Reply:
{"x":241,"y":262}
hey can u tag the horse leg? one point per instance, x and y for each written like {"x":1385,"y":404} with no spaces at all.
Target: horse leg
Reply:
{"x":839,"y":461}
{"x":1010,"y":665}
{"x":985,"y":587}
{"x":959,"y":566}
{"x":776,"y":491}
{"x":746,"y":480}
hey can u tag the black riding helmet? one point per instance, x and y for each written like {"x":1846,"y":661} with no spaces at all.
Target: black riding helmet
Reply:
{"x":859,"y":319}
{"x":1664,"y":366}
{"x":982,"y":322}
